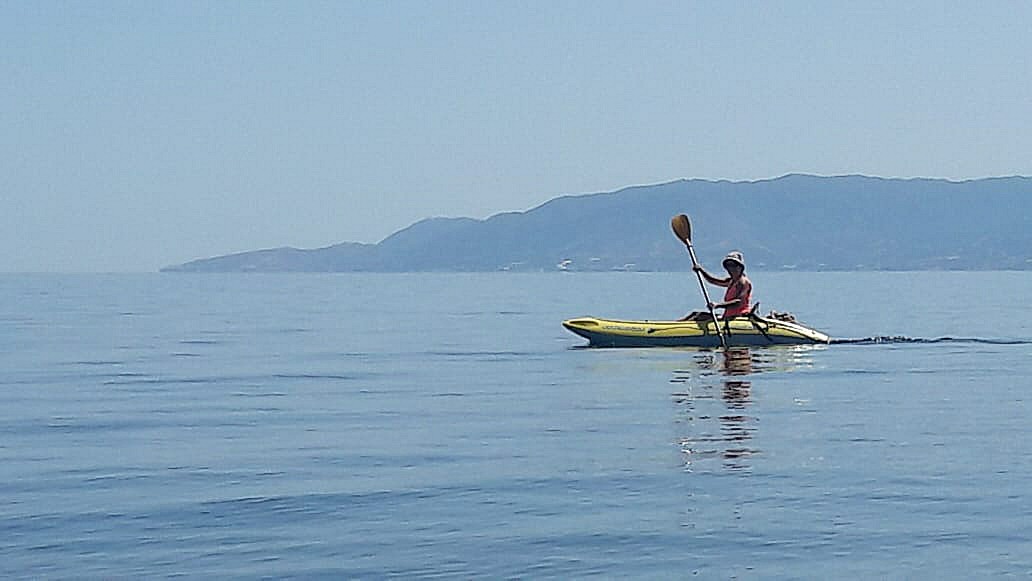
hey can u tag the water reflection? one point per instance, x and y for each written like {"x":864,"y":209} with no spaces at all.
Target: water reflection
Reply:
{"x":715,"y":401}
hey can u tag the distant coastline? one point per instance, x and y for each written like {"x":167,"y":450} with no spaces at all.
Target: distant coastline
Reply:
{"x":794,"y":222}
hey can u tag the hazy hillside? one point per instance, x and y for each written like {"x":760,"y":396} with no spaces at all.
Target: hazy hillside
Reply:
{"x":796,"y":221}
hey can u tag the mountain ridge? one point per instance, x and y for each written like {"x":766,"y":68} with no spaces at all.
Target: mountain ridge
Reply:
{"x":801,"y":221}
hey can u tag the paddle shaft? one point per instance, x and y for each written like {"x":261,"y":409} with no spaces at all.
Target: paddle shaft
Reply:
{"x":705,"y":293}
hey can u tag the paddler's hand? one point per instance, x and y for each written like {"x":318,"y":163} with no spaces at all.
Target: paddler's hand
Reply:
{"x":711,"y":305}
{"x":697,"y":268}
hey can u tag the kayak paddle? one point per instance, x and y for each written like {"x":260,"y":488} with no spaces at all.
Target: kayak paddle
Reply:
{"x":683,"y":230}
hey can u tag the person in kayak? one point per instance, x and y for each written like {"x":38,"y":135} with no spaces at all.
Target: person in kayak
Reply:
{"x":739,"y":287}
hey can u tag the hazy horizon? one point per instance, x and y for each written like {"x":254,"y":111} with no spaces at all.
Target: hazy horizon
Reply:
{"x":141,"y":135}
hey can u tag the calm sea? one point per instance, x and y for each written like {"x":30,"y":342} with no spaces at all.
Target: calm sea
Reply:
{"x":445,"y":425}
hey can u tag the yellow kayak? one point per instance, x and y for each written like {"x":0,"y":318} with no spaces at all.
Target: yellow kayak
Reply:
{"x":751,"y":330}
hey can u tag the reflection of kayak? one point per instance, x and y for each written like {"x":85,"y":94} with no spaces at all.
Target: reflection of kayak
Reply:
{"x":749,"y":330}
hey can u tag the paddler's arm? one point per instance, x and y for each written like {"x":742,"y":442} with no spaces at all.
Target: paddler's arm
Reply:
{"x":726,"y":304}
{"x":724,"y":282}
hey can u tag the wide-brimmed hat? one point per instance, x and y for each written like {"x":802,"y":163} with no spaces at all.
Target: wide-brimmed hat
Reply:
{"x":734,"y":256}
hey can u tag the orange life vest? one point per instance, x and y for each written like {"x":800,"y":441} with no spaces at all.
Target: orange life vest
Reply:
{"x":735,"y":291}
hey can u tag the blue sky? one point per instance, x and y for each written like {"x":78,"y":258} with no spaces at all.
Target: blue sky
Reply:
{"x":139,"y":134}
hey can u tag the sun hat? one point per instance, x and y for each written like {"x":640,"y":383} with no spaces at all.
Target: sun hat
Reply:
{"x":734,"y":256}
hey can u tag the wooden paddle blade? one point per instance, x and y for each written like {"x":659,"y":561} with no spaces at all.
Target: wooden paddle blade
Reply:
{"x":682,"y":227}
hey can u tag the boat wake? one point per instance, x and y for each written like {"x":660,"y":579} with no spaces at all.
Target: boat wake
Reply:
{"x":901,"y":339}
